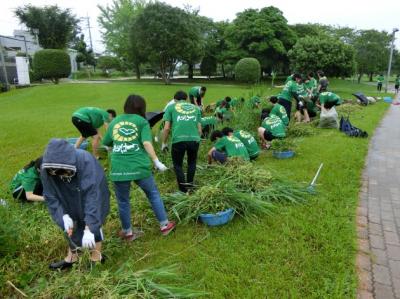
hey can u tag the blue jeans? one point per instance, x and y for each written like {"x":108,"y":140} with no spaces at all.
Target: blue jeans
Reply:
{"x":148,"y":185}
{"x":219,"y":156}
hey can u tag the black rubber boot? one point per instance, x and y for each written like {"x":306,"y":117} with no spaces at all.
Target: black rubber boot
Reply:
{"x":60,"y":265}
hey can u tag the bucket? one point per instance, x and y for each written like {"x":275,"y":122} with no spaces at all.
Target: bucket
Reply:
{"x":217,"y":219}
{"x":283,"y":155}
{"x":388,"y":100}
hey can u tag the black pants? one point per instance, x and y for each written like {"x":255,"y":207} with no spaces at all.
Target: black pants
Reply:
{"x":207,"y":131}
{"x":21,"y":194}
{"x":178,"y":153}
{"x":379,"y":87}
{"x":287,"y":105}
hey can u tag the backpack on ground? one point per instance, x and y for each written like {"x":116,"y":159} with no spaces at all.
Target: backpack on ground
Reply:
{"x":350,"y":130}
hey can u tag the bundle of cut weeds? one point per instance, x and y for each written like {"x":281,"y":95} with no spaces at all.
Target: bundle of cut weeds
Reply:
{"x":300,"y":130}
{"x":249,"y":190}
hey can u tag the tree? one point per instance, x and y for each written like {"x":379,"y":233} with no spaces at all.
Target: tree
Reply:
{"x":372,"y":52}
{"x":85,"y":55}
{"x":116,"y":20}
{"x":165,"y":34}
{"x":208,"y":66}
{"x":57,"y":27}
{"x":329,"y":54}
{"x":51,"y":64}
{"x":263,"y":34}
{"x":309,"y":29}
{"x":106,"y":63}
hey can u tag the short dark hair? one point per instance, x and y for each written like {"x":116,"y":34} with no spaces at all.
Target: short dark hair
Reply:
{"x":228,"y":99}
{"x":296,"y":76}
{"x":203,"y":88}
{"x":320,"y":73}
{"x":225,"y":131}
{"x":135,"y":104}
{"x":273,"y":99}
{"x":180,"y":95}
{"x":112,"y":112}
{"x":265,"y":113}
{"x":216,"y":134}
{"x":310,"y":74}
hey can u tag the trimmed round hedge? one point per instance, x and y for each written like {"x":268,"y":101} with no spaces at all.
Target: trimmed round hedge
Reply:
{"x":51,"y":64}
{"x":248,"y":70}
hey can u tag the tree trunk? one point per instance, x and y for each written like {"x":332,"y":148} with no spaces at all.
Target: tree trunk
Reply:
{"x":223,"y":70}
{"x":370,"y":77}
{"x":359,"y":78}
{"x":137,"y":70}
{"x":190,"y":71}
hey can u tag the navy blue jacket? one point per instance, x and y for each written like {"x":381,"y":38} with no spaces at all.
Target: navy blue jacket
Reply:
{"x":85,"y":198}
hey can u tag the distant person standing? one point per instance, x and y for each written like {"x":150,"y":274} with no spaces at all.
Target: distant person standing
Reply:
{"x":322,"y":82}
{"x":196,"y":95}
{"x":88,"y":120}
{"x":379,"y":80}
{"x":397,"y":84}
{"x":184,"y":120}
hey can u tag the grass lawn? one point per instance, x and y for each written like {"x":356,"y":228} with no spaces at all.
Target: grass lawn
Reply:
{"x":301,"y":251}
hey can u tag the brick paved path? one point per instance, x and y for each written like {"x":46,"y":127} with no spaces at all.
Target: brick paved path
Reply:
{"x":378,"y":261}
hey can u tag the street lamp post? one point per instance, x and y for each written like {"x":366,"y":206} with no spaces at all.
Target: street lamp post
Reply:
{"x":390,"y":58}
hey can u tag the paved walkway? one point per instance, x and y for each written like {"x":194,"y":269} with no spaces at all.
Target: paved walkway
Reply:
{"x":378,"y":261}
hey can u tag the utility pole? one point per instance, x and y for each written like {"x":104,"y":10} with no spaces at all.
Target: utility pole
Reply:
{"x":90,"y":31}
{"x":390,"y":59}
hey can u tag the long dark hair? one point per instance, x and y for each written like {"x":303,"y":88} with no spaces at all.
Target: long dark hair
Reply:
{"x":37,"y":163}
{"x":135,"y":104}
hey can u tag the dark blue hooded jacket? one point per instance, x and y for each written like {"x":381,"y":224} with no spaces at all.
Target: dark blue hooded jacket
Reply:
{"x":85,"y":198}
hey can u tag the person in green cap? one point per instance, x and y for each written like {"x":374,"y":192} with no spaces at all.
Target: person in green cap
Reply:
{"x":278,"y":110}
{"x":226,"y":147}
{"x":132,"y":156}
{"x":271,"y":128}
{"x":88,"y":120}
{"x":289,"y":91}
{"x":247,"y":139}
{"x":208,"y":124}
{"x":379,"y":79}
{"x":184,"y":120}
{"x":196,"y":95}
{"x":328,"y":100}
{"x":397,"y":84}
{"x":26,"y":184}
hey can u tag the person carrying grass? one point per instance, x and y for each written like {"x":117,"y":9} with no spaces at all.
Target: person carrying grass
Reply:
{"x":278,"y":110}
{"x":225,"y":148}
{"x":131,"y":159}
{"x":289,"y":91}
{"x":271,"y":128}
{"x":246,"y":138}
{"x":76,"y":192}
{"x":196,"y":95}
{"x":26,"y":184}
{"x":88,"y":120}
{"x":379,"y":80}
{"x":184,"y":120}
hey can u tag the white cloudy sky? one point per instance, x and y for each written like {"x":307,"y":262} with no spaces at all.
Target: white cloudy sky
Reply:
{"x":381,"y":15}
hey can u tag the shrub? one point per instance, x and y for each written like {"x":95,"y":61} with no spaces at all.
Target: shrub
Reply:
{"x":51,"y":64}
{"x":248,"y":70}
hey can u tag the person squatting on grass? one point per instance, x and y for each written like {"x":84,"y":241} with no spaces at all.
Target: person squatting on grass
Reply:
{"x":26,"y":184}
{"x":278,"y":110}
{"x":184,"y":120}
{"x":88,"y":120}
{"x":196,"y":95}
{"x":271,"y":128}
{"x":130,"y":137}
{"x":76,"y":192}
{"x":226,"y":147}
{"x":247,"y":139}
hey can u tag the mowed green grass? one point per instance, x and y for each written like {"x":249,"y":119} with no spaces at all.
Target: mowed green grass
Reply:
{"x":302,"y":251}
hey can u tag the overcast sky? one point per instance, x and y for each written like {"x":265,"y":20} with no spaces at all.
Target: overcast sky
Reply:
{"x":381,"y":15}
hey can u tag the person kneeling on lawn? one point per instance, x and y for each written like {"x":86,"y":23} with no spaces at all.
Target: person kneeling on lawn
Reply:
{"x":271,"y":128}
{"x":247,"y":139}
{"x":130,"y":137}
{"x":76,"y":191}
{"x":226,"y":147}
{"x":26,"y":184}
{"x":88,"y":120}
{"x":278,"y":110}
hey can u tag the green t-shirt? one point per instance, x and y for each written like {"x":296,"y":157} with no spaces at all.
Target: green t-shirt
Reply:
{"x":325,"y":97}
{"x":232,"y":146}
{"x":219,"y":103}
{"x":249,"y":142}
{"x":311,"y":107}
{"x":95,"y":116}
{"x":280,"y":111}
{"x":311,"y":85}
{"x":274,"y":125}
{"x":208,"y":120}
{"x":397,"y":81}
{"x":195,"y":91}
{"x":380,"y":79}
{"x":234,"y":102}
{"x":289,"y":91}
{"x":254,"y":101}
{"x":26,"y":178}
{"x":129,"y":159}
{"x":289,"y":78}
{"x":184,"y":118}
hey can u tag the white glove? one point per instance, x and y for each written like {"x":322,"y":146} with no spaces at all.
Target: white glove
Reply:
{"x":160,"y":166}
{"x":88,"y":239}
{"x":164,"y":147}
{"x":68,"y":223}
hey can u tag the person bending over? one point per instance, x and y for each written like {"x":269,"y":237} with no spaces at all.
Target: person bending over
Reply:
{"x":289,"y":91}
{"x":271,"y":128}
{"x":327,"y":100}
{"x":277,"y":110}
{"x":196,"y":95}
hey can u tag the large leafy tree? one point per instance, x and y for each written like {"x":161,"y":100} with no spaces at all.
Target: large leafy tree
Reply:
{"x":85,"y":55}
{"x":57,"y":27}
{"x":116,"y":21}
{"x":263,"y":34}
{"x":165,"y":34}
{"x":372,"y":51}
{"x":330,"y":54}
